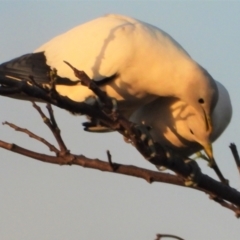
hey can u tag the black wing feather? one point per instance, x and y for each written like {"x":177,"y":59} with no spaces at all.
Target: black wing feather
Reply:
{"x":33,"y":64}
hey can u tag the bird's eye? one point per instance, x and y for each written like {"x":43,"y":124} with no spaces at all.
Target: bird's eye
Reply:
{"x":200,"y":100}
{"x":191,"y":131}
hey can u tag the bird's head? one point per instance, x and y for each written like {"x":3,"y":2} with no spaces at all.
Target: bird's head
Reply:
{"x":202,"y":94}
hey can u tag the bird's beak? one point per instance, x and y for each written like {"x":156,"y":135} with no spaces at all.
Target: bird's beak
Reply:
{"x":209,"y":151}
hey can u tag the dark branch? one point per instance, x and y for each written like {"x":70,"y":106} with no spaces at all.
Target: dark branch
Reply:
{"x":114,"y":166}
{"x":235,"y":155}
{"x":160,"y":236}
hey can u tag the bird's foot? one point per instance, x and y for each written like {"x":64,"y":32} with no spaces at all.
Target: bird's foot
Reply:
{"x":193,"y":179}
{"x":201,"y":156}
{"x":114,"y":105}
{"x":161,"y":168}
{"x":95,"y":126}
{"x":96,"y":102}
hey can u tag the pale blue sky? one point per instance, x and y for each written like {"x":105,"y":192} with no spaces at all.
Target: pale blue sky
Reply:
{"x":44,"y":201}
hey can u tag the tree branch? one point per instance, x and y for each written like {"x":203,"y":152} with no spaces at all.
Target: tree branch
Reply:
{"x":160,"y":236}
{"x":52,"y":125}
{"x":224,"y":195}
{"x":235,"y":154}
{"x":32,"y":135}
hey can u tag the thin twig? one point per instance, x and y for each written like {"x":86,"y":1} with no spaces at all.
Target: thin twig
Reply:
{"x":160,"y":236}
{"x":56,"y":130}
{"x":235,"y":155}
{"x":51,"y":147}
{"x":86,"y":81}
{"x":226,"y":205}
{"x":52,"y":125}
{"x":114,"y":166}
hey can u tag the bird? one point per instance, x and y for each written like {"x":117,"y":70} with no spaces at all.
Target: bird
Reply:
{"x":176,"y":125}
{"x":132,"y":61}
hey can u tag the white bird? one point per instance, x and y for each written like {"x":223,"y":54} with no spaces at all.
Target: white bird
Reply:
{"x":176,"y":125}
{"x":133,"y":61}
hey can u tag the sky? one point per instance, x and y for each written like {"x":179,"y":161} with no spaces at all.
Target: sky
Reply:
{"x":45,"y":201}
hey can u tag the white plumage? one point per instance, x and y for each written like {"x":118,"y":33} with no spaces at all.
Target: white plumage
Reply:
{"x":141,"y":61}
{"x":177,"y":126}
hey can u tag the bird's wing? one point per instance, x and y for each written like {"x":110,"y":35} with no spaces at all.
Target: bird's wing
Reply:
{"x":32,"y":64}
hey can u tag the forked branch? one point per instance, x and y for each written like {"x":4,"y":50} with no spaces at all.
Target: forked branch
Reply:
{"x":220,"y":193}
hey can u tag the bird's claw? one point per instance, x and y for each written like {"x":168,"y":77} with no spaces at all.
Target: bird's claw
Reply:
{"x":161,"y":168}
{"x":94,"y":125}
{"x":101,"y":105}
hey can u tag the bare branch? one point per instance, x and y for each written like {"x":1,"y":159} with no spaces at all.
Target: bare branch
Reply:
{"x":114,"y":166}
{"x":86,"y":81}
{"x":225,"y":195}
{"x":160,"y":236}
{"x":207,"y":184}
{"x":52,"y":125}
{"x":235,"y":155}
{"x":32,"y":135}
{"x":81,"y":160}
{"x":226,"y":205}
